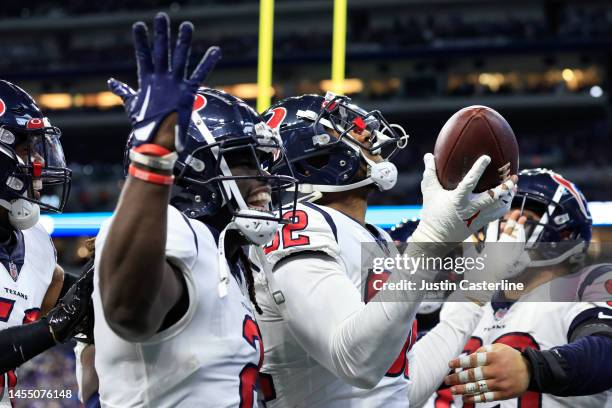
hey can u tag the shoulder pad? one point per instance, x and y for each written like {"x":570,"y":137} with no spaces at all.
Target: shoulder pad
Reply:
{"x":43,"y":244}
{"x":181,"y":238}
{"x":313,"y":230}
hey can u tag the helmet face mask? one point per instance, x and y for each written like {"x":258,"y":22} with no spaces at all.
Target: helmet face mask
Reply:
{"x":348,"y":120}
{"x":239,"y":162}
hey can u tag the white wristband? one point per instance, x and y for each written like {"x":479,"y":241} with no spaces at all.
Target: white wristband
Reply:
{"x":161,"y":163}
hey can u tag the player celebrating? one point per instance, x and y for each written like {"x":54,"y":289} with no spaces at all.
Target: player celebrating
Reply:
{"x":324,"y":345}
{"x":32,"y":165}
{"x":565,"y":346}
{"x":174,"y":324}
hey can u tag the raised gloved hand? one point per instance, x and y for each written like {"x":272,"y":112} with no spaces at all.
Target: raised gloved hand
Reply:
{"x":74,"y":312}
{"x":163,"y":86}
{"x":506,"y":256}
{"x":450,"y":216}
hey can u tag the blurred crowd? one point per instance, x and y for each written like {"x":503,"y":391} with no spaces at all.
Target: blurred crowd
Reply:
{"x":571,"y":24}
{"x":53,"y":370}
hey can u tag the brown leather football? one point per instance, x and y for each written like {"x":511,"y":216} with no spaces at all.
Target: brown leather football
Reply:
{"x":469,"y":134}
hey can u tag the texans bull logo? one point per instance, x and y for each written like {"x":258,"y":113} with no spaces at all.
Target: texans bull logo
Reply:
{"x":199,"y":103}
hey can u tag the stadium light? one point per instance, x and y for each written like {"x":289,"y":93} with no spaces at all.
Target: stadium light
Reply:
{"x":55,"y":100}
{"x":246,"y":91}
{"x":349,"y":86}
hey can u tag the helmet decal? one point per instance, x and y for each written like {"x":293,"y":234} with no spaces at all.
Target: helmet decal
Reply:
{"x":199,"y":102}
{"x":278,"y":116}
{"x":572,"y":190}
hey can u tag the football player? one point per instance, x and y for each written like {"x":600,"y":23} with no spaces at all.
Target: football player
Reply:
{"x":32,"y":168}
{"x":542,"y":353}
{"x":329,"y":342}
{"x":174,"y":326}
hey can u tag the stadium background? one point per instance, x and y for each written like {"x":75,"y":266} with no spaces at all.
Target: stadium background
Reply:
{"x":545,"y":65}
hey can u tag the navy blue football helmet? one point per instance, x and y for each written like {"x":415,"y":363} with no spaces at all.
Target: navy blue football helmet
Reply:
{"x":564,"y":229}
{"x":227,"y":133}
{"x":32,"y":164}
{"x":319,"y":136}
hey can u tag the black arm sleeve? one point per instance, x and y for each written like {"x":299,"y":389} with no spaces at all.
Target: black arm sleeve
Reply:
{"x":583,"y":366}
{"x":21,"y":343}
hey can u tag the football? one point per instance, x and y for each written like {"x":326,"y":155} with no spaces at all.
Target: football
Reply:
{"x":468,"y":134}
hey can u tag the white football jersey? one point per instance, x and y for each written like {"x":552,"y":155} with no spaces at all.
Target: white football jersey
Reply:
{"x":209,"y":358}
{"x":539,"y":325}
{"x":290,"y":376}
{"x":26,"y":271}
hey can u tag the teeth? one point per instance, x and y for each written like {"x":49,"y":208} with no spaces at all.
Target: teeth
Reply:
{"x":260,"y":197}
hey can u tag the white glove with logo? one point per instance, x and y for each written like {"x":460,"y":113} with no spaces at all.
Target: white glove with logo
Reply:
{"x":453,"y":215}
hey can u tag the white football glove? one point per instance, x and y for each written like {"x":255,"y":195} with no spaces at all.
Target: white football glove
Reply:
{"x":453,"y":215}
{"x":503,"y":257}
{"x":506,"y":257}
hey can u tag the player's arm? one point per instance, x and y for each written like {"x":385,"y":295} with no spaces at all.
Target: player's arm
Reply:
{"x":60,"y":283}
{"x":581,"y":367}
{"x":138,"y":286}
{"x":73,"y":314}
{"x":428,"y":358}
{"x":357,"y":342}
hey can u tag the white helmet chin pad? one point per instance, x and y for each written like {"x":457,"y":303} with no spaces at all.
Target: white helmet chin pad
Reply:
{"x":383,"y":174}
{"x":22,"y":213}
{"x":258,"y":232}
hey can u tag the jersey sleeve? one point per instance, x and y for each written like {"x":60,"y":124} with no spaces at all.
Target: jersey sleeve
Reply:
{"x":181,"y":240}
{"x":428,"y":359}
{"x":325,"y":313}
{"x":181,"y":252}
{"x":312,"y":230}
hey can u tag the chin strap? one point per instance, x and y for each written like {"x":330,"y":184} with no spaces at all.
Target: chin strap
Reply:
{"x":256,"y":231}
{"x":223,"y":284}
{"x":383,"y":175}
{"x":22,"y":214}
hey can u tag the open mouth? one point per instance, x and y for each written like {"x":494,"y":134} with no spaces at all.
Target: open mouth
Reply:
{"x":259,"y":199}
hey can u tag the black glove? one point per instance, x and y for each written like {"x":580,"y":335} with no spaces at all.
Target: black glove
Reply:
{"x":74,"y":312}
